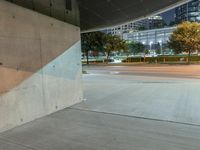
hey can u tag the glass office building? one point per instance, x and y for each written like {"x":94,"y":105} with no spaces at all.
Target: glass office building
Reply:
{"x":146,"y":24}
{"x":124,"y":28}
{"x":188,"y":12}
{"x":152,"y":39}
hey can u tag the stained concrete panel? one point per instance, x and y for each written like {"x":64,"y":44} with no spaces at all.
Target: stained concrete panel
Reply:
{"x":40,"y":69}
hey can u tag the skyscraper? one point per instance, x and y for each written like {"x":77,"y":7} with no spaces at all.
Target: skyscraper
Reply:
{"x":188,"y":12}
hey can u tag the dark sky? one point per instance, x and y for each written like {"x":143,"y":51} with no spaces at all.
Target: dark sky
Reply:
{"x":169,"y":16}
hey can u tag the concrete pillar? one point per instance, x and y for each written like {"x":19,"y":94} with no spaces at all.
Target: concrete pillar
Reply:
{"x":40,"y":65}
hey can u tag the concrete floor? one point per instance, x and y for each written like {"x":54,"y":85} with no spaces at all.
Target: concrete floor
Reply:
{"x":164,"y":93}
{"x":127,"y":108}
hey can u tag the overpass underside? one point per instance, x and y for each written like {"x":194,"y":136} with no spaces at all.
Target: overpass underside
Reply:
{"x":40,"y":63}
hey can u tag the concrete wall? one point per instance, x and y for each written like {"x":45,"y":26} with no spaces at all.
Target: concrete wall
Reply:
{"x":40,"y":66}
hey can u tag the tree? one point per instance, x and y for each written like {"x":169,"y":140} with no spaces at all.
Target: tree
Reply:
{"x":146,"y":52}
{"x":123,"y":46}
{"x":136,"y":47}
{"x":158,"y":50}
{"x":92,"y":41}
{"x":186,"y":38}
{"x":114,"y":43}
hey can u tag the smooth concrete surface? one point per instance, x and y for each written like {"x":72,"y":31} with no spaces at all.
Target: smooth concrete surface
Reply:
{"x":82,"y":130}
{"x":170,"y":93}
{"x":40,"y":70}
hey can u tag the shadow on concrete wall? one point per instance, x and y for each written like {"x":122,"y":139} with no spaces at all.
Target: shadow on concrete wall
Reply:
{"x":17,"y":68}
{"x":28,"y":42}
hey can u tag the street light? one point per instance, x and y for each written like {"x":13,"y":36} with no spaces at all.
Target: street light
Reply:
{"x":144,"y":51}
{"x":150,"y":44}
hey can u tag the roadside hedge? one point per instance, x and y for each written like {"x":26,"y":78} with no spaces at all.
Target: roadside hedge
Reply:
{"x":162,"y":59}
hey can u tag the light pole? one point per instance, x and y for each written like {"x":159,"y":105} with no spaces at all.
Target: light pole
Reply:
{"x":161,"y":47}
{"x":150,"y":44}
{"x":144,"y":50}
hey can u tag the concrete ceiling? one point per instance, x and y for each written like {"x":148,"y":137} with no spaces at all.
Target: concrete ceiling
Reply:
{"x":95,"y":14}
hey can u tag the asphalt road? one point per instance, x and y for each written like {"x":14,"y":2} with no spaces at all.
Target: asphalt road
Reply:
{"x":177,"y":71}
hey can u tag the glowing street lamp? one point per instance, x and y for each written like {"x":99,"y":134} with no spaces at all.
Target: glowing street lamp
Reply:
{"x":150,"y":44}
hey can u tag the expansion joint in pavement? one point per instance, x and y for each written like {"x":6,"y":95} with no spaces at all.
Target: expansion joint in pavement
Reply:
{"x":16,"y":143}
{"x":136,"y":117}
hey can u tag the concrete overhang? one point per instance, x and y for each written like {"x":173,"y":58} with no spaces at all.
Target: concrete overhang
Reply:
{"x":98,"y":14}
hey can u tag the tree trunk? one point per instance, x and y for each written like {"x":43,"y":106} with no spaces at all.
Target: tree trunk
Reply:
{"x":127,"y":60}
{"x":189,"y":57}
{"x":108,"y":55}
{"x":87,"y":56}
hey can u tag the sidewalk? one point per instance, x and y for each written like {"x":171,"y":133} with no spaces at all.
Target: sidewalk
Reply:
{"x":72,"y":129}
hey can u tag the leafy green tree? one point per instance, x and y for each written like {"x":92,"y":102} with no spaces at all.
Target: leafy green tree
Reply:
{"x":186,"y":38}
{"x":123,"y":46}
{"x":158,"y":50}
{"x":113,"y":43}
{"x":136,"y":47}
{"x":92,"y":41}
{"x":146,"y":51}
